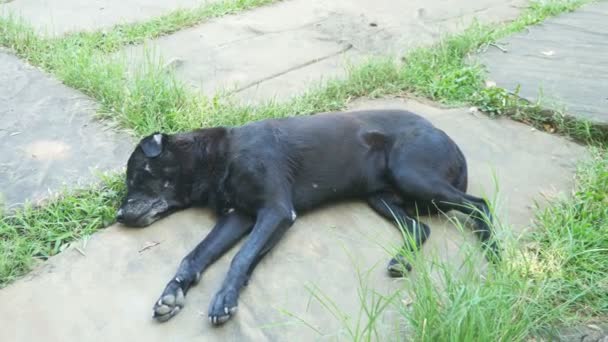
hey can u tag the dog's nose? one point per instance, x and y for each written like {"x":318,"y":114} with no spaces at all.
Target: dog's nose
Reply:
{"x":119,"y":216}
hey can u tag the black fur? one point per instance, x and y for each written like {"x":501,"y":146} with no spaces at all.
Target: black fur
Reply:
{"x":258,"y":176}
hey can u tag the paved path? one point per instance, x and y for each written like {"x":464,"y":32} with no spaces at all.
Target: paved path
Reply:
{"x":278,"y":51}
{"x":563,"y":60}
{"x":108,"y":294}
{"x":48,"y":135}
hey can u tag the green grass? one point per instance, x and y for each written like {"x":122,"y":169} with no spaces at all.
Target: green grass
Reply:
{"x":464,"y":306}
{"x":572,"y":235}
{"x":36,"y":233}
{"x":559,"y":280}
{"x":557,"y":276}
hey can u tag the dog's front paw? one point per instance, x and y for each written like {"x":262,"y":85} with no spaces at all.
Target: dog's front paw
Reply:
{"x":398,"y":267}
{"x":170,"y":302}
{"x":223,"y":306}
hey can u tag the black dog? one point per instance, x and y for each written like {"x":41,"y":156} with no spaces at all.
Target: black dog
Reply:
{"x":257,"y":178}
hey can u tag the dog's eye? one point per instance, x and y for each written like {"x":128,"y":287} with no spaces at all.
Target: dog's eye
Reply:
{"x":167,"y":184}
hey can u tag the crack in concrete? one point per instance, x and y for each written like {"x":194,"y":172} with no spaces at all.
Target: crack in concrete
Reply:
{"x":296,"y":67}
{"x":260,"y":33}
{"x":299,"y":27}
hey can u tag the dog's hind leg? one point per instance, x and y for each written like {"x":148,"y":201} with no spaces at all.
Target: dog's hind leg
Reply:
{"x":390,"y":206}
{"x":423,"y":186}
{"x":227,"y":232}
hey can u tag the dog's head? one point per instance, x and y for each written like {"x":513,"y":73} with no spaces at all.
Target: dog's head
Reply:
{"x":156,"y":182}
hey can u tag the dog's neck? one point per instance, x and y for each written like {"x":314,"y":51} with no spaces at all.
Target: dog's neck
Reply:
{"x":205,"y":160}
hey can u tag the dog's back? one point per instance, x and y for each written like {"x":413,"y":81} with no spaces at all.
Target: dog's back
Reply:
{"x":338,"y":155}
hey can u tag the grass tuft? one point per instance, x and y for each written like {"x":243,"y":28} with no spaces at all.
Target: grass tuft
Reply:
{"x":572,"y":236}
{"x":36,"y":233}
{"x":461,"y":305}
{"x":558,"y":278}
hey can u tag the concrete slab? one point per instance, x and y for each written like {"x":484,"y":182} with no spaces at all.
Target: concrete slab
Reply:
{"x":279,"y":50}
{"x":108,"y":293}
{"x":57,"y":17}
{"x":563,"y":60}
{"x":48,"y":136}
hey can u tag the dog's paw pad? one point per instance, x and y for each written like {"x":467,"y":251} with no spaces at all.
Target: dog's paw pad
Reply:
{"x":223,"y":306}
{"x":398,"y":267}
{"x":170,"y":304}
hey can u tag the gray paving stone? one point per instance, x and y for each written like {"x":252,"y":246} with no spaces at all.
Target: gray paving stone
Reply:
{"x":564,"y":60}
{"x":279,"y":50}
{"x":108,"y":294}
{"x":57,"y":17}
{"x":48,"y":137}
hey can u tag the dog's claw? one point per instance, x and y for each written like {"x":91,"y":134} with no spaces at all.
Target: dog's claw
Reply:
{"x":223,"y":306}
{"x":217,"y":320}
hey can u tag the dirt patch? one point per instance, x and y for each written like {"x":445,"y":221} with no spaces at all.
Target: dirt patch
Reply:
{"x":48,"y":150}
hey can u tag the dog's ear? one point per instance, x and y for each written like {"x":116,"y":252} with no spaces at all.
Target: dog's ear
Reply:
{"x":153,"y":145}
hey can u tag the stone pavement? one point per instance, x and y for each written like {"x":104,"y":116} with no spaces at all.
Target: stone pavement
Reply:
{"x":563,"y":60}
{"x":108,"y":293}
{"x":48,"y":136}
{"x":278,"y":51}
